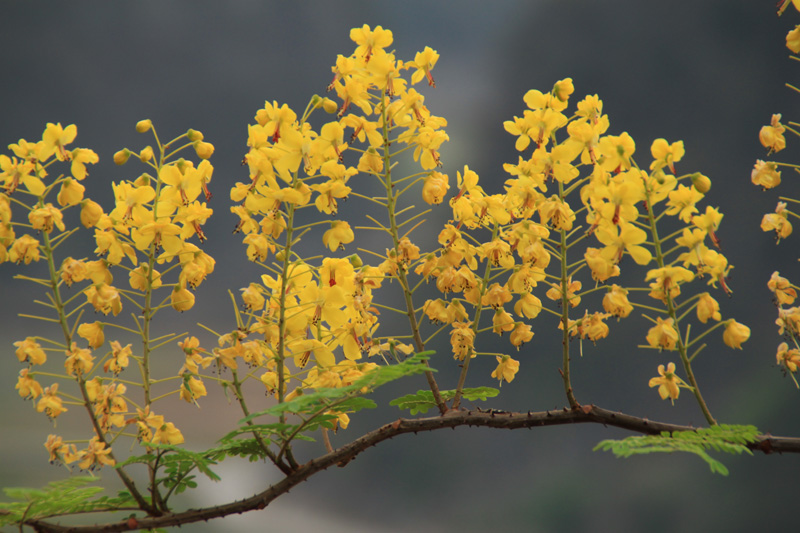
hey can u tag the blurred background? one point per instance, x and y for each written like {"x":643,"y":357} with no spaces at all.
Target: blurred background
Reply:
{"x":710,"y":73}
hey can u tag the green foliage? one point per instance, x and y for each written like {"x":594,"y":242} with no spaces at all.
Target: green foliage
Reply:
{"x":344,"y":399}
{"x":63,"y":497}
{"x":422,"y":401}
{"x":721,"y":438}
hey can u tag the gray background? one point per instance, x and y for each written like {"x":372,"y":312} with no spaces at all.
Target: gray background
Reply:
{"x":709,"y":73}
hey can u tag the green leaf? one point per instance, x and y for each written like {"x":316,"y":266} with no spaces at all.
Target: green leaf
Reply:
{"x":186,"y":459}
{"x":721,"y":438}
{"x":62,"y":497}
{"x":423,"y":401}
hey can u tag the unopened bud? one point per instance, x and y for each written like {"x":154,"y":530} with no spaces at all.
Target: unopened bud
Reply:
{"x":146,"y":154}
{"x":203,"y":149}
{"x":701,"y":182}
{"x":143,"y":180}
{"x":356,"y":261}
{"x":144,"y":126}
{"x":121,"y":157}
{"x":329,"y":106}
{"x":194,"y":135}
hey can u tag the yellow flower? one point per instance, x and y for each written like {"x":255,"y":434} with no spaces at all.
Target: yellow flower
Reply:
{"x":682,"y":202}
{"x":602,"y":267}
{"x":31,"y":351}
{"x":182,"y":299}
{"x":616,"y":151}
{"x":771,"y":136}
{"x":766,"y":174}
{"x":502,"y":321}
{"x":496,"y":296}
{"x":707,"y":307}
{"x":104,"y":298}
{"x":436,"y":311}
{"x":25,"y":249}
{"x":668,"y":383}
{"x":95,"y":455}
{"x":15,"y":172}
{"x":735,"y":334}
{"x":138,"y":278}
{"x":119,"y":358}
{"x":462,"y":338}
{"x":338,"y":235}
{"x":663,"y":334}
{"x":55,"y":137}
{"x":522,"y":333}
{"x":435,"y":187}
{"x":786,"y":357}
{"x":71,"y":192}
{"x":667,"y":281}
{"x":81,"y":156}
{"x":43,"y":218}
{"x":616,"y":301}
{"x":369,"y":40}
{"x":793,"y":40}
{"x":168,"y":434}
{"x":90,"y":213}
{"x":79,"y":360}
{"x":784,"y":292}
{"x":192,"y":388}
{"x":506,"y":368}
{"x":92,"y":332}
{"x":424,"y":62}
{"x":50,"y":404}
{"x":666,"y":155}
{"x":27,"y":386}
{"x":778,"y":222}
{"x":554,"y":293}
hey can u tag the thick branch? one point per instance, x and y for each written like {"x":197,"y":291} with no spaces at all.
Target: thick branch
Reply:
{"x":452,"y":419}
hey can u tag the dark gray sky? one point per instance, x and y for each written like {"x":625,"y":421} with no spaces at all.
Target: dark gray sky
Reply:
{"x":709,"y":73}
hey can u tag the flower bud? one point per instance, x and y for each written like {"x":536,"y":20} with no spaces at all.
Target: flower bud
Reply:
{"x":356,"y":261}
{"x":146,"y":154}
{"x":143,"y":180}
{"x":316,"y":101}
{"x":701,"y":182}
{"x":329,"y":106}
{"x":121,"y":157}
{"x":203,"y":149}
{"x":143,"y":126}
{"x":194,"y":135}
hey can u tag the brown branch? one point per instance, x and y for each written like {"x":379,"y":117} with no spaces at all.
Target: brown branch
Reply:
{"x":342,"y":456}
